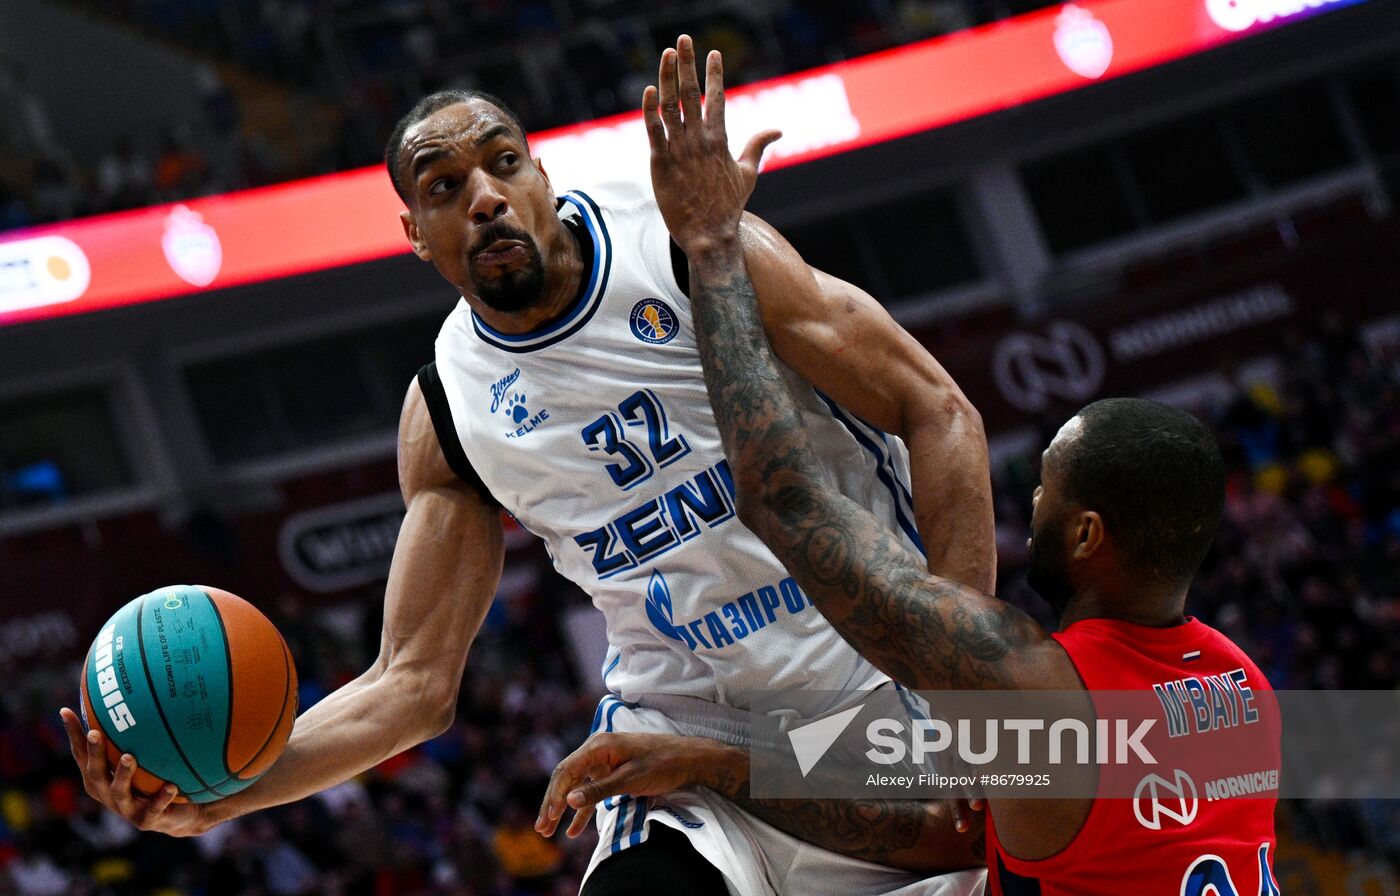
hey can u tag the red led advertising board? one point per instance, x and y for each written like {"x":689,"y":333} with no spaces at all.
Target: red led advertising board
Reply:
{"x":310,"y":225}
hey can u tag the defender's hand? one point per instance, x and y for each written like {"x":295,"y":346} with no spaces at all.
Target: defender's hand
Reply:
{"x":157,"y":813}
{"x":634,"y":764}
{"x":700,"y":188}
{"x":963,"y":810}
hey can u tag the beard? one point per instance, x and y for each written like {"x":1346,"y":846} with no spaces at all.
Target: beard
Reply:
{"x":513,"y":290}
{"x":1049,"y":567}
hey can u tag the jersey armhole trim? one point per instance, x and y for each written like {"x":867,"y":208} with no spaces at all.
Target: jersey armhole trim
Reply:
{"x":440,"y":412}
{"x":680,"y":267}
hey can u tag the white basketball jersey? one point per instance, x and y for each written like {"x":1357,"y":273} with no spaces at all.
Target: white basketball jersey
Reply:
{"x":595,"y":432}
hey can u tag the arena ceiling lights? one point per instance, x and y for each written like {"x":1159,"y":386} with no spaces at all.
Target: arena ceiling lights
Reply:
{"x":238,"y":238}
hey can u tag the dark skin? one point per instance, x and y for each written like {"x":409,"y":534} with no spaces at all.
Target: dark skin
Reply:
{"x":469,"y":179}
{"x":467,"y":171}
{"x":924,"y":630}
{"x":837,"y":338}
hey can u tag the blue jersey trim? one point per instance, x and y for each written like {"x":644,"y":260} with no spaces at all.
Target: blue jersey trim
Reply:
{"x":607,"y":708}
{"x":620,"y":823}
{"x":639,"y":818}
{"x":885,"y":469}
{"x":582,"y":312}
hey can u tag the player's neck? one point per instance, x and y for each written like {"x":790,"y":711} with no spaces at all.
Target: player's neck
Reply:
{"x":563,"y":267}
{"x":1150,"y":608}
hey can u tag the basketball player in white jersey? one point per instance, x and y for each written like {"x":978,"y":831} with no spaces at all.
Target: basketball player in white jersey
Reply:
{"x":567,"y":389}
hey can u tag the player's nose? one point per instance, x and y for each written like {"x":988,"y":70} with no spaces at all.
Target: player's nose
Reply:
{"x":488,"y":202}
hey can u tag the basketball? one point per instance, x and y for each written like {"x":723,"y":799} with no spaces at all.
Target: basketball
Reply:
{"x":197,"y":684}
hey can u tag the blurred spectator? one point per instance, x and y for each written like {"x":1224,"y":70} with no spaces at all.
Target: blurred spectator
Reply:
{"x":328,"y":80}
{"x":1305,"y":574}
{"x":523,"y":853}
{"x":180,"y":168}
{"x":32,"y":873}
{"x":124,"y":178}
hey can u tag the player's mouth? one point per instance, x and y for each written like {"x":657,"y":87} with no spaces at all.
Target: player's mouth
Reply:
{"x":501,"y":252}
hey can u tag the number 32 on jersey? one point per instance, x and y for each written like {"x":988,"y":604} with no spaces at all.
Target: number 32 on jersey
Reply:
{"x":635,"y":442}
{"x":633,"y":465}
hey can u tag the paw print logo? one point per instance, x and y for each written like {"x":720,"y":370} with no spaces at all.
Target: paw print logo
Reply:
{"x":516,"y":408}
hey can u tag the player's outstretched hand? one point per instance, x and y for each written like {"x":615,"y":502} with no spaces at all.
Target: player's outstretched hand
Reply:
{"x":635,"y":764}
{"x":699,"y":186}
{"x":157,"y":813}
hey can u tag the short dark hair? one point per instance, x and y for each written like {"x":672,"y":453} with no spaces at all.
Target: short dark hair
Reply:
{"x":436,"y":102}
{"x":1156,"y":476}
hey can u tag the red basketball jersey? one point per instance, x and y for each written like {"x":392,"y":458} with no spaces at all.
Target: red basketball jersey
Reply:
{"x":1178,"y":837}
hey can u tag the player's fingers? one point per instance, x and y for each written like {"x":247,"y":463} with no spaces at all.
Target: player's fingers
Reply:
{"x":689,"y":79}
{"x":74,"y":729}
{"x":121,"y":780}
{"x":568,"y":774}
{"x":581,"y":819}
{"x":552,"y":805}
{"x":127,"y":803}
{"x":667,"y":92}
{"x":752,"y":156}
{"x":714,"y":91}
{"x":96,"y":773}
{"x":600,"y":788}
{"x":962,"y":815}
{"x":651,"y":114}
{"x":151,"y":812}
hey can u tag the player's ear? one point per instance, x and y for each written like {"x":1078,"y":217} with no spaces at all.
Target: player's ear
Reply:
{"x":1088,"y":534}
{"x":539,"y":163}
{"x":410,"y":230}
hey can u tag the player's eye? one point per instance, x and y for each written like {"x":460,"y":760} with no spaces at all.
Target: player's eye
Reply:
{"x":440,"y":186}
{"x":507,"y":160}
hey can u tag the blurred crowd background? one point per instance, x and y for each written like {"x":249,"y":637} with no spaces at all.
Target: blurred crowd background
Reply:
{"x":1305,"y":573}
{"x":351,"y":68}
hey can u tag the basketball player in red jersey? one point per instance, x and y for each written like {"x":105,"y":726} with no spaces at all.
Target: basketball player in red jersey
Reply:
{"x":1131,"y":494}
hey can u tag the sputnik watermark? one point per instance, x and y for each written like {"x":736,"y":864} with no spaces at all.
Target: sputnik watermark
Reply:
{"x":1227,"y":736}
{"x":895,"y":741}
{"x":1110,"y":740}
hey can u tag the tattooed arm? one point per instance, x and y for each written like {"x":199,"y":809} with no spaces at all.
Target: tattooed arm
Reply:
{"x":909,"y":834}
{"x":922,"y":630}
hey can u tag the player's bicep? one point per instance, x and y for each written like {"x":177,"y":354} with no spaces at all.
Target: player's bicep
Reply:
{"x":446,"y":566}
{"x":839,"y":338}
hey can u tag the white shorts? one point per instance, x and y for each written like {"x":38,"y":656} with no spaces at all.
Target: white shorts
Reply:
{"x":755,"y":858}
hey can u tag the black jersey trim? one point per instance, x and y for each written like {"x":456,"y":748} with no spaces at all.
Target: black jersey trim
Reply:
{"x":440,"y":412}
{"x":680,"y":268}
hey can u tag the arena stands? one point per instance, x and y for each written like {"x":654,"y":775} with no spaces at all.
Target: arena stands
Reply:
{"x":1222,"y":234}
{"x":1304,"y":575}
{"x":363,"y":64}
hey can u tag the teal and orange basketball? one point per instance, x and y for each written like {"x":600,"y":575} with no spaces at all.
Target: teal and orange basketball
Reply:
{"x":197,"y":684}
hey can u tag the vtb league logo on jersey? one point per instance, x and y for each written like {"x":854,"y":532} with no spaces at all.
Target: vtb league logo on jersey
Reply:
{"x":514,"y":403}
{"x":654,"y":322}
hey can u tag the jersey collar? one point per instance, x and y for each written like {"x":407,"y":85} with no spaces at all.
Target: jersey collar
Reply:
{"x":581,"y":214}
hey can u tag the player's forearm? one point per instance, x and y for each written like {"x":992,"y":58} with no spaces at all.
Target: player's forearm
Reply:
{"x":370,"y":719}
{"x":922,"y":630}
{"x":759,"y":423}
{"x":909,"y":834}
{"x":952,"y":488}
